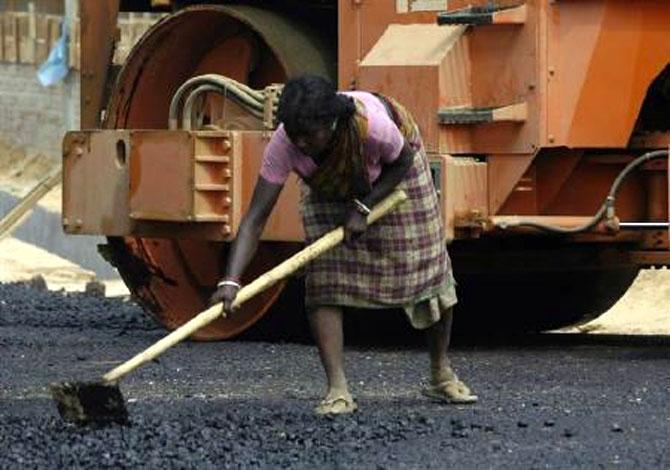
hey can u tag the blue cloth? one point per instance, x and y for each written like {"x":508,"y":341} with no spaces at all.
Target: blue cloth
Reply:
{"x":57,"y":64}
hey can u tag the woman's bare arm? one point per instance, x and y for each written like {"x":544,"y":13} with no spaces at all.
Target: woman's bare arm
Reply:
{"x":392,"y":174}
{"x":245,"y":244}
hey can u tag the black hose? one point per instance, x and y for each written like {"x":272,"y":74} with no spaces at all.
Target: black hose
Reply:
{"x":607,"y":208}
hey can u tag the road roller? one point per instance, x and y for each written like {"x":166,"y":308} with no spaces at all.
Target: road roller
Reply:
{"x":546,"y":124}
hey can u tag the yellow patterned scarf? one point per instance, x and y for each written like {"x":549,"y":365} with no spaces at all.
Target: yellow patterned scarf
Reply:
{"x":343,"y":175}
{"x":403,"y":119}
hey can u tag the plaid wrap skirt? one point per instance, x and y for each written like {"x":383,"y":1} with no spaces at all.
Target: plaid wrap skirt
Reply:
{"x":400,"y":261}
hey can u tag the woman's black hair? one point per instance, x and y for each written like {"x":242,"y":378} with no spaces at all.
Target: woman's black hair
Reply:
{"x":311,"y":102}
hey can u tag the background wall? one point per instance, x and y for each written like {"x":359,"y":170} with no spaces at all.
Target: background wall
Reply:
{"x":35,"y":117}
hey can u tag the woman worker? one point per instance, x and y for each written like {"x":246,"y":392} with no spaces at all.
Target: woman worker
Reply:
{"x":351,"y":150}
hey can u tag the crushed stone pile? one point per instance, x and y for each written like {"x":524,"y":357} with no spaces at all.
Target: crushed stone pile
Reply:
{"x":21,"y":305}
{"x":552,"y":402}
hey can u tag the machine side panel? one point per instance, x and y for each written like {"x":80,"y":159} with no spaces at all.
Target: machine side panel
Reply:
{"x":601,"y":58}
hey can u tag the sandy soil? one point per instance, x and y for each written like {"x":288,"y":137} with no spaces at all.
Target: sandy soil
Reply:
{"x":20,"y":261}
{"x":644,"y":309}
{"x":19,"y":172}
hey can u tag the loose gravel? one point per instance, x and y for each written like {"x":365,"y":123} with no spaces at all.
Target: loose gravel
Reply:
{"x":22,"y":306}
{"x":550,"y":401}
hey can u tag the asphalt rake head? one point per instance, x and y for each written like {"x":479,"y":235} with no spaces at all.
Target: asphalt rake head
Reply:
{"x":95,"y":403}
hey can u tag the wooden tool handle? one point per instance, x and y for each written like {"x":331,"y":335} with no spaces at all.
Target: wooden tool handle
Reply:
{"x":18,"y":214}
{"x":261,"y":283}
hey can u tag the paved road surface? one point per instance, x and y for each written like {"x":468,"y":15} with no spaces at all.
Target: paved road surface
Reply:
{"x":552,"y":401}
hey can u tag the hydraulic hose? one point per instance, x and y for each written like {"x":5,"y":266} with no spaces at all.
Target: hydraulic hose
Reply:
{"x":241,"y":93}
{"x":187,"y":113}
{"x":607,"y":210}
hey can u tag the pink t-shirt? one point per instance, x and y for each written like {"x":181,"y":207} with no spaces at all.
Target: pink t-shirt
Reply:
{"x":384,"y":144}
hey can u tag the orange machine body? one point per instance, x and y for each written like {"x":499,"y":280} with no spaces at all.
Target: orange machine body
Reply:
{"x":528,"y":110}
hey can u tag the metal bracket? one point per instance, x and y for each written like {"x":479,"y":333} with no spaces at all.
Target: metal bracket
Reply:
{"x":479,"y":16}
{"x":517,"y":112}
{"x":271,"y":93}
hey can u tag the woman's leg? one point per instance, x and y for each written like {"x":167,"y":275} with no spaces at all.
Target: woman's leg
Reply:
{"x":439,"y":336}
{"x":445,"y":385}
{"x":326,"y":324}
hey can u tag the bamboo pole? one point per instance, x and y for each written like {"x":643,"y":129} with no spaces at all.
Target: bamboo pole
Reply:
{"x":18,"y":214}
{"x":261,"y":283}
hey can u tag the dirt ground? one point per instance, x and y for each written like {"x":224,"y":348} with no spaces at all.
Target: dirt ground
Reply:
{"x":20,"y":171}
{"x":20,"y":261}
{"x":643,"y":310}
